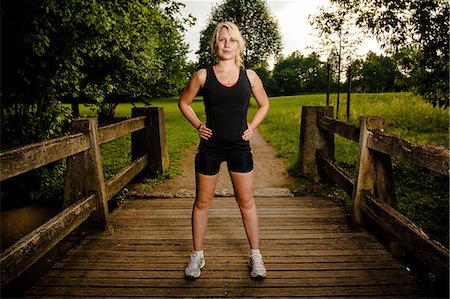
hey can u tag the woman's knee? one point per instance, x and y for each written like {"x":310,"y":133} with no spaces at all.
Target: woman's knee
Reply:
{"x":203,"y":202}
{"x":246,"y":203}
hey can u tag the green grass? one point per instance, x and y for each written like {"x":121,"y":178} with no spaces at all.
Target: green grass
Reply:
{"x":180,"y":136}
{"x":422,"y":196}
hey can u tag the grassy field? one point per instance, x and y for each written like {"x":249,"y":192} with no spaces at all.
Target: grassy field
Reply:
{"x":421,"y":195}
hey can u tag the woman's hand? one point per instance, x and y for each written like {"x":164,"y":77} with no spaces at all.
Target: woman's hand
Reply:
{"x":204,"y":131}
{"x":248,"y":134}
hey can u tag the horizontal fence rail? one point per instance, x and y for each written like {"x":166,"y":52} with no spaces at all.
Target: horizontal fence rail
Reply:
{"x":20,"y":160}
{"x":372,"y":191}
{"x":86,"y":193}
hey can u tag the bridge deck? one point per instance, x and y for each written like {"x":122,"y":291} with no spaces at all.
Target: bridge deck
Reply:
{"x":308,"y":248}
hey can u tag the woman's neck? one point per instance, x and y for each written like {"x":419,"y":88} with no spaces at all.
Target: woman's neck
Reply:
{"x":226,"y":66}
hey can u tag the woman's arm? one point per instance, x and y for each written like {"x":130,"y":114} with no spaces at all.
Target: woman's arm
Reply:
{"x":189,"y":93}
{"x":263,"y":103}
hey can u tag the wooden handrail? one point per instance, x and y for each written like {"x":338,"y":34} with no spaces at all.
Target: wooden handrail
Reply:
{"x":431,"y":157}
{"x":123,"y":177}
{"x":330,"y":170}
{"x":23,"y":159}
{"x":372,"y":191}
{"x":33,"y":246}
{"x":85,"y":191}
{"x":117,"y":130}
{"x":410,"y":235}
{"x":338,"y":127}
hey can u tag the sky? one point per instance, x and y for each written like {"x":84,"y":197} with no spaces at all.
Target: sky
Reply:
{"x":292,"y":17}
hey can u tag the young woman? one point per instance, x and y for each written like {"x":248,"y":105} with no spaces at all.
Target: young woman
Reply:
{"x":226,"y":88}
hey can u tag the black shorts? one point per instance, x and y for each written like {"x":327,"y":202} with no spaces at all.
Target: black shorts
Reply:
{"x":238,"y":160}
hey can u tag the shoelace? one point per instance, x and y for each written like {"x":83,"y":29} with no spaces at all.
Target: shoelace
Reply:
{"x":196,"y":260}
{"x":257,"y":261}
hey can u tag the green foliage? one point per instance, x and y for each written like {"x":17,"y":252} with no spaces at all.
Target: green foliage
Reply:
{"x":421,"y":195}
{"x":258,"y":27}
{"x":296,"y":73}
{"x":376,"y":73}
{"x":338,"y":38}
{"x":101,"y":52}
{"x":416,"y":30}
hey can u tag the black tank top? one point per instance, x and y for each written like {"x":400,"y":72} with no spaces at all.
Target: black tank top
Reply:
{"x":226,"y":107}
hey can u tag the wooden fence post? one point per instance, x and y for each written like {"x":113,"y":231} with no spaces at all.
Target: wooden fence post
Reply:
{"x":374,"y":169}
{"x":85,"y":172}
{"x":313,"y":139}
{"x":151,"y":140}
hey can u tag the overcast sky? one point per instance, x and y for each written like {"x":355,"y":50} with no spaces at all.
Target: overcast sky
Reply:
{"x":292,"y":17}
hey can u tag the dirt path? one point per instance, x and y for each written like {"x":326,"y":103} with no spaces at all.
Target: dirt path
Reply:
{"x":271,"y":178}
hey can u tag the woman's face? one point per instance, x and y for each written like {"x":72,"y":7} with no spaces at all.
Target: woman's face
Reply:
{"x":227,"y":47}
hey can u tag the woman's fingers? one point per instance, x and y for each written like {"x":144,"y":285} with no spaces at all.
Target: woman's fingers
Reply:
{"x":204,"y":132}
{"x":248,"y":134}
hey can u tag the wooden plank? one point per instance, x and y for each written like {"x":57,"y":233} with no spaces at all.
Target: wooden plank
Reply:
{"x":338,"y":127}
{"x":392,"y":275}
{"x":431,"y":157}
{"x":330,"y":170}
{"x":432,"y":254}
{"x":144,"y":255}
{"x":93,"y":178}
{"x":33,"y":246}
{"x":366,"y":176}
{"x":20,"y":160}
{"x":225,"y":290}
{"x":313,"y":139}
{"x":123,"y":177}
{"x":117,"y":130}
{"x":233,"y":282}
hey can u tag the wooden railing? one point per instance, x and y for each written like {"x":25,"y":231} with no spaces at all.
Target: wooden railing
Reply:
{"x":85,"y":193}
{"x":372,"y":191}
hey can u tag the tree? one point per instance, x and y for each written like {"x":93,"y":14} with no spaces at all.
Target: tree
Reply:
{"x":100,"y":52}
{"x":338,"y":39}
{"x":258,"y":27}
{"x":376,"y":73}
{"x":81,"y":50}
{"x":297,"y":73}
{"x":419,"y":27}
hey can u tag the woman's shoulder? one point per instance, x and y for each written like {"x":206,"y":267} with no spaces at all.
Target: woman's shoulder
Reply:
{"x":251,"y":73}
{"x":200,"y":75}
{"x":252,"y":76}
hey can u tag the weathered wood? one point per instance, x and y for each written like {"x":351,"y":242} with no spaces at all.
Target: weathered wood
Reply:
{"x":338,"y":127}
{"x":122,"y":178}
{"x":93,"y":178}
{"x":366,"y":174}
{"x":146,"y":251}
{"x":330,"y":170}
{"x":76,"y":170}
{"x":432,"y":254}
{"x":313,"y":139}
{"x":20,"y":160}
{"x":117,"y":130}
{"x":431,"y":157}
{"x":33,"y":246}
{"x":151,"y":140}
{"x":384,"y":178}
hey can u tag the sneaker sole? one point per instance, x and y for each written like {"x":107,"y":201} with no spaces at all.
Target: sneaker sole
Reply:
{"x":192,"y":276}
{"x":256,"y":276}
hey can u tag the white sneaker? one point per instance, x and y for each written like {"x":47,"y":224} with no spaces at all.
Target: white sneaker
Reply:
{"x":256,"y":265}
{"x":195,"y":266}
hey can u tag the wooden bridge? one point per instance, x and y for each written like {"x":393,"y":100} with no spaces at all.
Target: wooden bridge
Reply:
{"x":312,"y":248}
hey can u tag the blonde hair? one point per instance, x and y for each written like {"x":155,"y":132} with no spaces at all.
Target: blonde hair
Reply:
{"x":234,"y":32}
